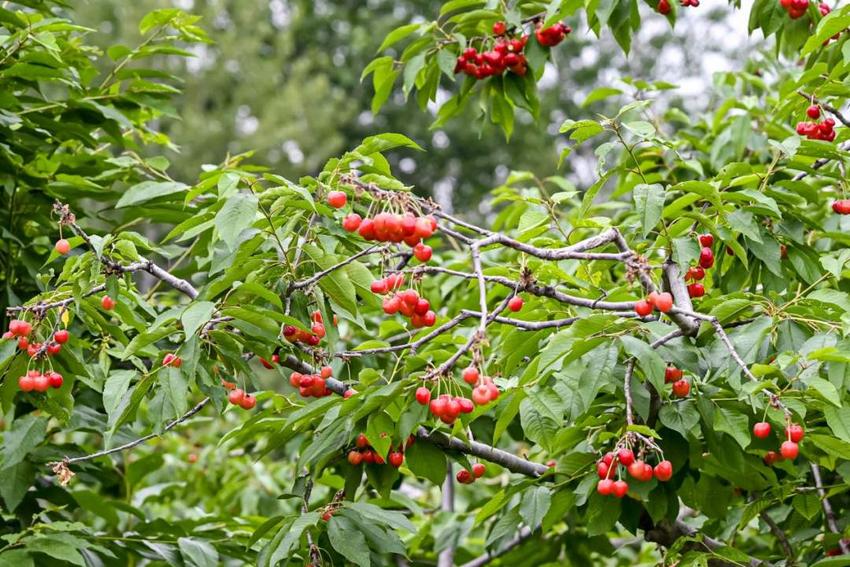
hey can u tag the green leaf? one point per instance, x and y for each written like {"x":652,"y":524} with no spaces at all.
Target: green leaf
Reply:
{"x":825,"y":388}
{"x":14,"y":483}
{"x":735,"y":424}
{"x":237,"y":214}
{"x":114,"y":389}
{"x":198,"y":552}
{"x":649,"y":203}
{"x":534,"y":505}
{"x":426,"y":461}
{"x":838,"y":420}
{"x":195,"y":315}
{"x":398,"y":34}
{"x":148,"y":190}
{"x":395,"y":520}
{"x":681,"y":417}
{"x":26,"y":434}
{"x":348,"y":540}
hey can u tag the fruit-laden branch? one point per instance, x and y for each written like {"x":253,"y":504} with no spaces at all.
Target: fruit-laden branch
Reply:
{"x":42,"y":307}
{"x":319,"y":275}
{"x":827,"y":510}
{"x":819,"y":163}
{"x":826,"y":106}
{"x":666,"y":533}
{"x":523,"y":534}
{"x":630,"y":370}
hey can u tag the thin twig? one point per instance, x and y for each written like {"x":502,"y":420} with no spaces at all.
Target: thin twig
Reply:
{"x":780,"y":536}
{"x":827,"y":509}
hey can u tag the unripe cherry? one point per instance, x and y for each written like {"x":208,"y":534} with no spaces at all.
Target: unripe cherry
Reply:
{"x":62,"y":246}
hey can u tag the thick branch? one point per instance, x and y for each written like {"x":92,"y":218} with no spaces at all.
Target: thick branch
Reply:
{"x":523,"y":534}
{"x":447,"y":556}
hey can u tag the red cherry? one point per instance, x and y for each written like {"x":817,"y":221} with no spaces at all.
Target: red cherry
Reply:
{"x":602,"y":469}
{"x":681,"y":388}
{"x":466,"y":405}
{"x":429,"y":319}
{"x":326,"y":372}
{"x":636,"y":470}
{"x":8,"y":335}
{"x":53,"y":349}
{"x":695,"y":273}
{"x":625,"y":456}
{"x":671,"y":374}
{"x":40,"y":383}
{"x":706,"y":258}
{"x":470,"y":375}
{"x":327,"y":516}
{"x":647,"y":472}
{"x":236,"y":396}
{"x":318,"y":330}
{"x":761,"y":429}
{"x":23,"y":343}
{"x":422,"y":307}
{"x":499,"y":28}
{"x":172,"y":360}
{"x":620,"y":488}
{"x":813,"y":111}
{"x":481,"y":395}
{"x":664,"y":302}
{"x":664,"y":471}
{"x":396,"y":459}
{"x":248,"y":402}
{"x":608,"y":458}
{"x":61,"y":336}
{"x":62,"y":246}
{"x":355,"y":457}
{"x":424,"y":227}
{"x":463,"y":476}
{"x":107,"y":303}
{"x":478,"y":470}
{"x":842,"y":207}
{"x":348,"y":393}
{"x":337,"y":199}
{"x":351,"y":222}
{"x":515,"y":303}
{"x":33,"y":349}
{"x":605,"y":486}
{"x":794,"y":432}
{"x":423,"y":395}
{"x":55,"y":379}
{"x":772,"y":457}
{"x":369,"y":456}
{"x":789,"y":450}
{"x":409,"y":296}
{"x":706,"y":240}
{"x":423,"y":252}
{"x":643,"y":308}
{"x":361,"y":441}
{"x":20,"y":328}
{"x":696,"y":290}
{"x":663,"y":7}
{"x":26,"y":383}
{"x":367,"y":229}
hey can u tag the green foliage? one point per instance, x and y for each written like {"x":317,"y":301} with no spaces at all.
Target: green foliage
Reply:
{"x":255,"y":260}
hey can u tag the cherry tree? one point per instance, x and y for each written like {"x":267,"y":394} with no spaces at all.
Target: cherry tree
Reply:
{"x":651,"y":369}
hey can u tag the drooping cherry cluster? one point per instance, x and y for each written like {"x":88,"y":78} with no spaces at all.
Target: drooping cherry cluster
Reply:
{"x":465,"y":476}
{"x":664,"y":7}
{"x":823,"y":130}
{"x":365,"y":453}
{"x":238,"y":396}
{"x":35,"y":381}
{"x":705,"y":262}
{"x":393,"y":227}
{"x":638,"y":469}
{"x":21,"y":331}
{"x":407,"y":302}
{"x":312,"y":337}
{"x":681,"y":387}
{"x":789,"y":449}
{"x":312,"y":385}
{"x":447,"y":408}
{"x":798,"y":8}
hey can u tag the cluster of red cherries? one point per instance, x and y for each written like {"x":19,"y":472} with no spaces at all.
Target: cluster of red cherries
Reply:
{"x":798,"y":8}
{"x":789,"y":449}
{"x":637,"y":469}
{"x":447,"y":408}
{"x":364,"y":453}
{"x":238,"y":396}
{"x":465,"y":476}
{"x":706,"y":262}
{"x":661,"y":301}
{"x":681,"y":387}
{"x":312,"y":385}
{"x":21,"y":330}
{"x":312,"y":337}
{"x":35,"y":381}
{"x":823,"y":130}
{"x":407,"y":302}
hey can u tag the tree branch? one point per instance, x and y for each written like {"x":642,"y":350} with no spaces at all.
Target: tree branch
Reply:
{"x":523,"y":534}
{"x":780,"y":536}
{"x":827,"y":509}
{"x":447,"y":556}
